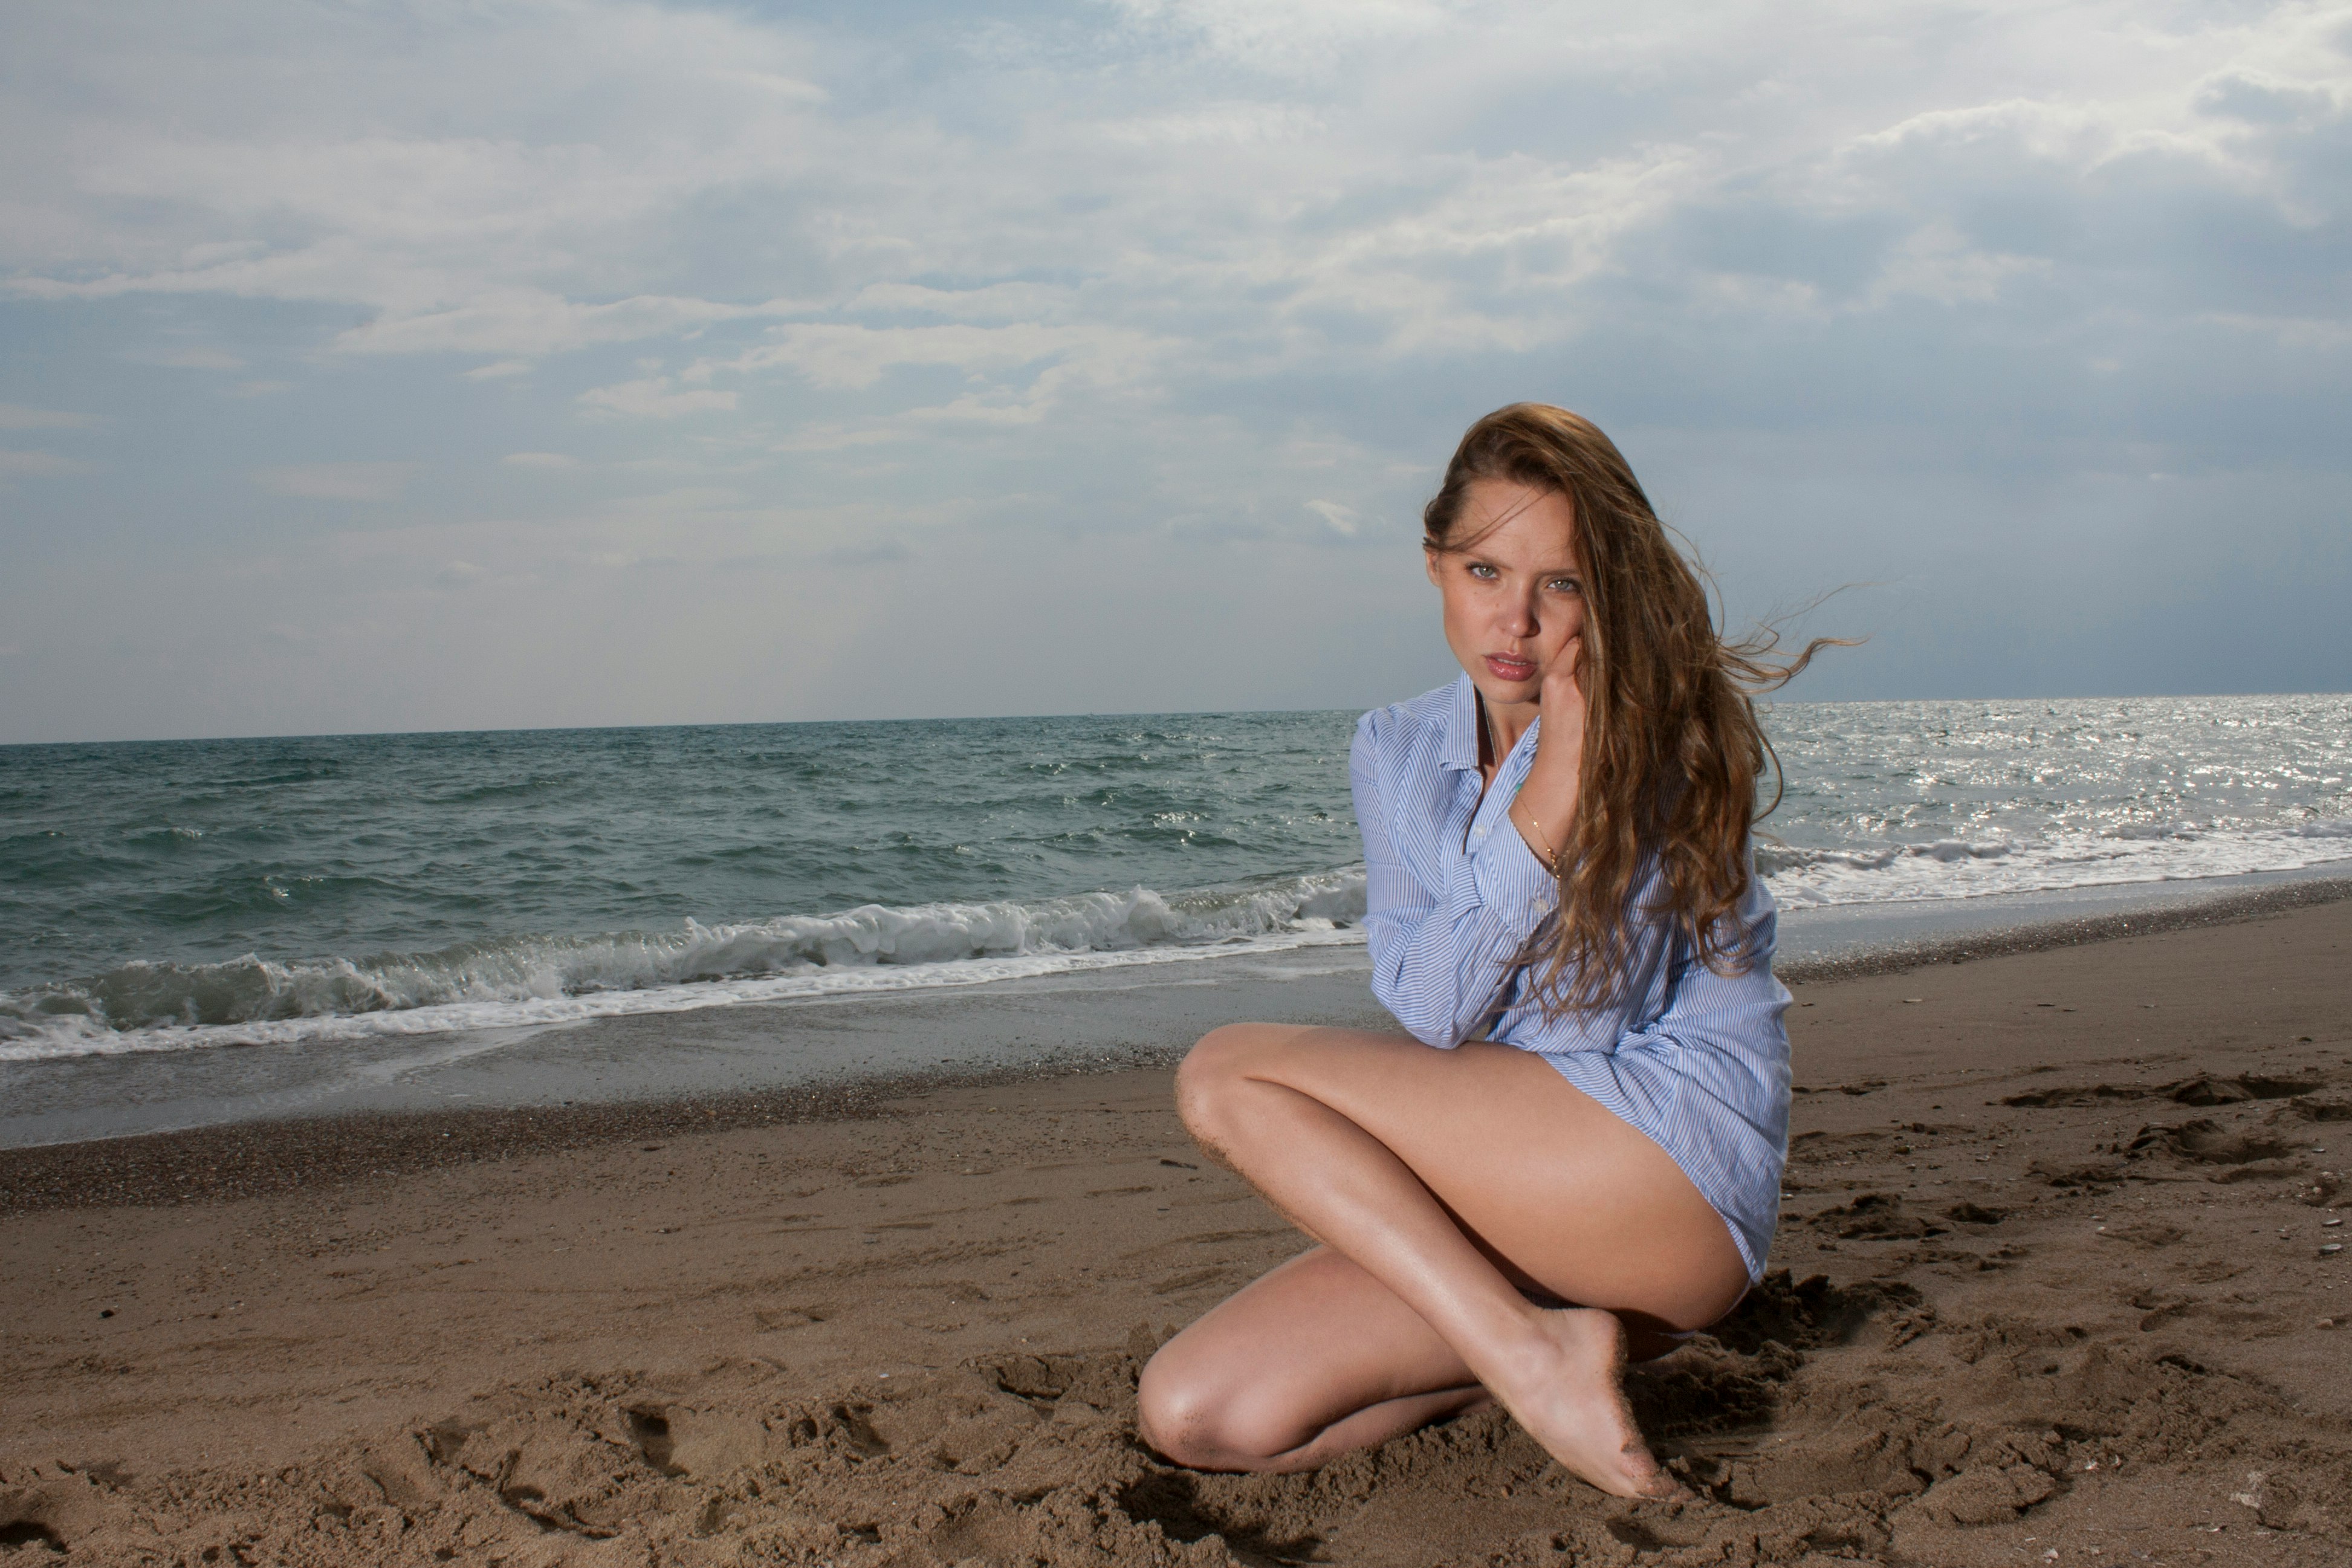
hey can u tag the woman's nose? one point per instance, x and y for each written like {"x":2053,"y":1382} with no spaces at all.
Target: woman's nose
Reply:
{"x":1519,"y":619}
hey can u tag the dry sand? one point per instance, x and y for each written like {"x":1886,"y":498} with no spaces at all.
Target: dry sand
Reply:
{"x":2052,"y":1285}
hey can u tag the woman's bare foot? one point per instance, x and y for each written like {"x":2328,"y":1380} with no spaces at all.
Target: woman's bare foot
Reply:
{"x":1566,"y":1387}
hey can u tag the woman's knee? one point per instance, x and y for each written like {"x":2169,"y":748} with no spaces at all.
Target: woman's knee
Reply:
{"x":1197,"y":1419}
{"x":1210,"y":1071}
{"x":1177,"y":1411}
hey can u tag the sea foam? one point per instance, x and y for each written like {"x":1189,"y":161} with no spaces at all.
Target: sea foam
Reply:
{"x":538,"y":980}
{"x":1964,"y":868}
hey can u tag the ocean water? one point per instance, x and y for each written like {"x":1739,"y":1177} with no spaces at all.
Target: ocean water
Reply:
{"x":175,"y":896}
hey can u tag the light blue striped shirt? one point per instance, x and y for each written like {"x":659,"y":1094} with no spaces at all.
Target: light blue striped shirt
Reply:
{"x":1696,"y":1061}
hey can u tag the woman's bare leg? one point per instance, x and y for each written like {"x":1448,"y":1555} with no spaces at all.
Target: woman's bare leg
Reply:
{"x":1262,"y":1382}
{"x":1445,"y":1181}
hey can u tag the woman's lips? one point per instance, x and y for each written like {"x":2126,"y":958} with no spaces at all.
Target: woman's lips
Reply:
{"x":1508,"y":668}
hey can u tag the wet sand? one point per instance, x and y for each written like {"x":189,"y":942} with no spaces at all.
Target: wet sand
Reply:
{"x":2055,"y":1281}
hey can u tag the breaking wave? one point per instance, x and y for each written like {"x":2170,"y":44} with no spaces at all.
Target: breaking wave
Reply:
{"x":536,"y":980}
{"x":1972,"y":867}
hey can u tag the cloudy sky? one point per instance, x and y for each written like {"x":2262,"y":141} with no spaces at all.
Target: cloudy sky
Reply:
{"x":457,"y":363}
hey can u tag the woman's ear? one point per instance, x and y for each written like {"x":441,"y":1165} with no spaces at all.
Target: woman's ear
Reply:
{"x":1429,"y":557}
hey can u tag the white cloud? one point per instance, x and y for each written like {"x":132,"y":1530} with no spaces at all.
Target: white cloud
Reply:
{"x":1292,"y":35}
{"x":2309,"y":333}
{"x":1342,"y":520}
{"x":845,"y":355}
{"x":996,"y":301}
{"x":536,"y":323}
{"x":190,"y":357}
{"x":540,"y":460}
{"x":999,"y":412}
{"x":835,"y":437}
{"x":657,"y":397}
{"x":20,"y":417}
{"x":1239,"y":123}
{"x":685,"y":498}
{"x":38,"y":465}
{"x":337,"y":482}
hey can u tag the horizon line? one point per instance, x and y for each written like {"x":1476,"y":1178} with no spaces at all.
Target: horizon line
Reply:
{"x":1007,"y":718}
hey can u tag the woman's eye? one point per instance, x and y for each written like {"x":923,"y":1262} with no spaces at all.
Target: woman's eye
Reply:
{"x":1485,"y":573}
{"x":1565,"y":585}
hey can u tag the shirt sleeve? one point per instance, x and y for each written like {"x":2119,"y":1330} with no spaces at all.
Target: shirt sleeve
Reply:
{"x":1443,"y":955}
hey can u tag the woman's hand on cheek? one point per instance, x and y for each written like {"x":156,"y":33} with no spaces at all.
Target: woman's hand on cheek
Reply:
{"x":1545,"y":807}
{"x":1561,"y":744}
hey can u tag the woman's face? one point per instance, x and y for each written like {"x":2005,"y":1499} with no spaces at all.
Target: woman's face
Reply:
{"x":1515,"y":598}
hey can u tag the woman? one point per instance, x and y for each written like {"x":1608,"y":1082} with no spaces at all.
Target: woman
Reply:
{"x":1588,"y":1164}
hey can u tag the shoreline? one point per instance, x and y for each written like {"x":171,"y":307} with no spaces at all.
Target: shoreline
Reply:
{"x":2054,"y":1272}
{"x":2232,"y":908}
{"x":261,"y":1156}
{"x":271,"y":1156}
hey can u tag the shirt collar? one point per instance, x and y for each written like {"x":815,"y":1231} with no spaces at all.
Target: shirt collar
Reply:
{"x":1459,"y":752}
{"x":1460,"y":749}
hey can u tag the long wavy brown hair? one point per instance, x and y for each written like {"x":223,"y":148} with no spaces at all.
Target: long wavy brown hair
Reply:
{"x":1671,"y":746}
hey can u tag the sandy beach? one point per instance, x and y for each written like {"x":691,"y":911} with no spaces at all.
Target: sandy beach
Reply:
{"x":2052,"y":1284}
